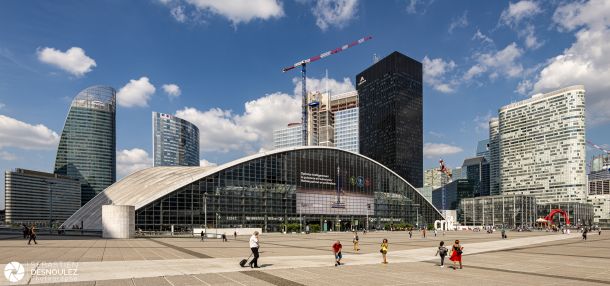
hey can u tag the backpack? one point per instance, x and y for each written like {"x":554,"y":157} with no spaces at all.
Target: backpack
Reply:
{"x":442,"y":251}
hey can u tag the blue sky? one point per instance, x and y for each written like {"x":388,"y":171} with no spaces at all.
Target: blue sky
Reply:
{"x":218,"y":64}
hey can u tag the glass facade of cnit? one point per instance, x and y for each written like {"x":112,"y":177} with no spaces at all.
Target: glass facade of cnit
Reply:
{"x":542,"y":146}
{"x":175,"y":141}
{"x":335,"y":189}
{"x":87,"y":148}
{"x":390,"y":115}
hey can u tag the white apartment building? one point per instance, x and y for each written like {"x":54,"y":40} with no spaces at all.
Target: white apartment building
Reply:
{"x":542,"y":146}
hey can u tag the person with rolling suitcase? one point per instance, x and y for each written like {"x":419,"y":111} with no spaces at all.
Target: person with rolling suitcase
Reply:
{"x":254,"y":247}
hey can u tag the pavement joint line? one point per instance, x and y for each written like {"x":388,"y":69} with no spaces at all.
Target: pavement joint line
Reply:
{"x":170,"y":282}
{"x":559,"y":254}
{"x":206,"y":283}
{"x":181,"y":249}
{"x":270,"y":278}
{"x":229,"y":278}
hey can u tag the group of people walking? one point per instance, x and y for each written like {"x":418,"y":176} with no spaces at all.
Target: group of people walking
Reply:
{"x":454,"y":253}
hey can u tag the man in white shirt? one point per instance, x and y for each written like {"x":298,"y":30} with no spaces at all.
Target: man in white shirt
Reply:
{"x":254,"y":247}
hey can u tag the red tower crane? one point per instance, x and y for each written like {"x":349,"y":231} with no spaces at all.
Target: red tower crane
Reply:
{"x":303,"y":64}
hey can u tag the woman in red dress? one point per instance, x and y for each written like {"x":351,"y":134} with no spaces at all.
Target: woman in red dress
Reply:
{"x":456,"y":254}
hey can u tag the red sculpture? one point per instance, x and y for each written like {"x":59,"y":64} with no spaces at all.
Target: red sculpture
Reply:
{"x":558,"y":211}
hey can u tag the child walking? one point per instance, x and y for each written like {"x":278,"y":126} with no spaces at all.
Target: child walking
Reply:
{"x":442,"y":252}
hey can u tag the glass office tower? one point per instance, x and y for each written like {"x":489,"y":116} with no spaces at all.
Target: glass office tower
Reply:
{"x":87,"y":148}
{"x":175,"y":141}
{"x":390,"y":115}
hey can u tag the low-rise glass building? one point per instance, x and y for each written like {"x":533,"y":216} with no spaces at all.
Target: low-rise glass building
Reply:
{"x":329,"y":187}
{"x":500,"y":211}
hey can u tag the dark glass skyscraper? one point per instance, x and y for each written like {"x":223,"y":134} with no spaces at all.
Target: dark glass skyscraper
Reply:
{"x":87,"y":148}
{"x":390,"y":119}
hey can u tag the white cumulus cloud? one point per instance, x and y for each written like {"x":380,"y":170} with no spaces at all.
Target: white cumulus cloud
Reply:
{"x":136,"y":93}
{"x":74,"y":60}
{"x":435,"y":71}
{"x":432,"y":150}
{"x":131,"y":160}
{"x":516,"y":12}
{"x":18,"y":134}
{"x":206,"y":163}
{"x":337,"y":13}
{"x":172,"y":90}
{"x":586,"y":61}
{"x":224,"y":131}
{"x":496,"y":63}
{"x":239,"y":11}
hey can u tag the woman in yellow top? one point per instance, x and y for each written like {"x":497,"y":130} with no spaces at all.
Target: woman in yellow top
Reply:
{"x":384,"y":250}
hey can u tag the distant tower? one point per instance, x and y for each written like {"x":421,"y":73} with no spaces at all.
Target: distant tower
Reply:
{"x":175,"y":141}
{"x":87,"y":148}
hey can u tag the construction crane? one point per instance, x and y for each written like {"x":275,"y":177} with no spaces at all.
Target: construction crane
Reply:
{"x":598,"y":147}
{"x":303,"y":64}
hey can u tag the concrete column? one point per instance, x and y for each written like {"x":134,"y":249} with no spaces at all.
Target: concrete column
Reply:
{"x":118,"y":221}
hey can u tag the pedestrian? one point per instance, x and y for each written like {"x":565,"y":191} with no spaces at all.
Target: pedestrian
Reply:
{"x":384,"y":250}
{"x":202,"y":235}
{"x":254,"y":246}
{"x":337,"y":252}
{"x":434,"y":232}
{"x":235,"y":235}
{"x":224,"y":237}
{"x":410,"y":234}
{"x":442,"y":252}
{"x":599,"y":231}
{"x":26,"y":231}
{"x":584,"y":234}
{"x":424,"y":232}
{"x":503,"y":233}
{"x":356,"y":241}
{"x":32,"y":235}
{"x":456,"y":254}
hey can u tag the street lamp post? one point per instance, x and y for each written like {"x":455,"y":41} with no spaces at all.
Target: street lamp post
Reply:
{"x":368,"y":207}
{"x":205,"y":213}
{"x":416,"y":215}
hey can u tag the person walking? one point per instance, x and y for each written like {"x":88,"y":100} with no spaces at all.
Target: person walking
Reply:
{"x":384,"y":250}
{"x":26,"y":231}
{"x":254,"y":246}
{"x":424,"y":232}
{"x":584,"y":234}
{"x":442,"y":252}
{"x":235,"y":235}
{"x":503,"y":233}
{"x":224,"y":237}
{"x":434,"y":232}
{"x":456,"y":254}
{"x":202,"y":235}
{"x":356,"y":241}
{"x":410,"y":233}
{"x":337,"y":252}
{"x":32,"y":234}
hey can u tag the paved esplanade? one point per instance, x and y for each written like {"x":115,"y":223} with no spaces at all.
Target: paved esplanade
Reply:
{"x":536,"y":258}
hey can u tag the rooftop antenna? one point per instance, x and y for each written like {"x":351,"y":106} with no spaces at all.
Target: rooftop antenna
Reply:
{"x":375,"y":58}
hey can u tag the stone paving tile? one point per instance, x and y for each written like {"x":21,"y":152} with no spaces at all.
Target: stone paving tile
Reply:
{"x":151,"y":281}
{"x":115,"y":282}
{"x":184,"y":280}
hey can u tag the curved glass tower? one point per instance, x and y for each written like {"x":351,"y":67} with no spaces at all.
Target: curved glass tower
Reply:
{"x":88,"y":141}
{"x":175,"y":141}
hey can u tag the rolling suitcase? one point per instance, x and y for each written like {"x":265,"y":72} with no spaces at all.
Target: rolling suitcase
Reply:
{"x":243,"y":262}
